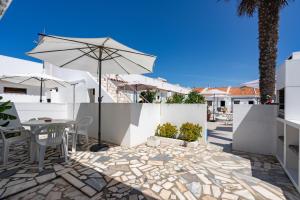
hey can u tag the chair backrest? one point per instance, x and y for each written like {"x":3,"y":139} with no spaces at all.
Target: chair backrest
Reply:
{"x":84,"y":123}
{"x":53,"y":134}
{"x":12,"y":123}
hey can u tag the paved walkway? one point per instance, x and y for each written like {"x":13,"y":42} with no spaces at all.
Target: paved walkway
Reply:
{"x":220,"y":134}
{"x":167,"y":172}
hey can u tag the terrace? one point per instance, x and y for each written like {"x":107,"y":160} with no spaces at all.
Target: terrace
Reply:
{"x":142,"y":172}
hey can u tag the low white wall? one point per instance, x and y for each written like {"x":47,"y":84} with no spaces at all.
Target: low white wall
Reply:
{"x":28,"y":111}
{"x":254,"y":128}
{"x":122,"y":123}
{"x":144,"y":120}
{"x":131,"y":124}
{"x":181,"y":113}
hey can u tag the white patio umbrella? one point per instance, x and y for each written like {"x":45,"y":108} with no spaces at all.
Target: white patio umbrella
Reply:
{"x":41,"y":80}
{"x":135,"y":87}
{"x":215,"y":93}
{"x":254,"y":84}
{"x":95,"y":55}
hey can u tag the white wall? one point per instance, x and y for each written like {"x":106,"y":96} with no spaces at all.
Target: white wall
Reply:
{"x":131,"y":124}
{"x":181,"y":113}
{"x":254,"y":128}
{"x":122,"y":123}
{"x":27,"y":111}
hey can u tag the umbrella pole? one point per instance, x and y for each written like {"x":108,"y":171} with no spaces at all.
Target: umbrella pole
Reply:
{"x":74,"y":85}
{"x":99,"y":146}
{"x":41,"y":91}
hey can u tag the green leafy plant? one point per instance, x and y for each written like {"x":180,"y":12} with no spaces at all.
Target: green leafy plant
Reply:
{"x":176,"y":98}
{"x":166,"y":130}
{"x":148,"y":96}
{"x":194,"y":97}
{"x":190,"y":132}
{"x":3,"y":116}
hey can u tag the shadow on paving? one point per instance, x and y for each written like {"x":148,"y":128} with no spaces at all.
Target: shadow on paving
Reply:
{"x":21,"y":179}
{"x":267,"y":168}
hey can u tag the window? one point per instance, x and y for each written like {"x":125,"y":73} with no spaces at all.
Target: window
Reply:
{"x":15,"y":90}
{"x":250,"y":102}
{"x":209,"y":103}
{"x":236,"y":102}
{"x":222,"y":103}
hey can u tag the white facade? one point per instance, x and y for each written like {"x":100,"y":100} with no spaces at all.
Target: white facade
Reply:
{"x":86,"y":91}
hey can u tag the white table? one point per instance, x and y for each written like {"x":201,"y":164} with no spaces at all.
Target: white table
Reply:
{"x":38,"y":123}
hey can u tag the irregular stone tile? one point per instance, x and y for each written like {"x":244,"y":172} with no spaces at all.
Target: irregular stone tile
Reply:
{"x":264,"y":192}
{"x":44,"y":178}
{"x":195,"y":188}
{"x":229,"y":196}
{"x":45,"y":190}
{"x":17,"y":188}
{"x":74,"y":181}
{"x":245,"y":194}
{"x":54,"y":196}
{"x":156,"y":188}
{"x":136,"y":171}
{"x":88,"y":191}
{"x":165,"y":194}
{"x":97,"y":183}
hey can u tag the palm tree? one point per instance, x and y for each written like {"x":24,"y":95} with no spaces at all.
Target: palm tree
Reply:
{"x":268,"y":23}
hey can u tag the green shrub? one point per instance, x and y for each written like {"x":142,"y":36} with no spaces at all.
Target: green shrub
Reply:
{"x":190,"y":132}
{"x":166,"y":130}
{"x":175,"y":98}
{"x":194,"y":97}
{"x":147,"y":96}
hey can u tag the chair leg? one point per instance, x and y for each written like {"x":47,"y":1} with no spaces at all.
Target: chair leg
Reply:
{"x":5,"y":153}
{"x":74,"y":141}
{"x":42,"y":157}
{"x":65,"y":149}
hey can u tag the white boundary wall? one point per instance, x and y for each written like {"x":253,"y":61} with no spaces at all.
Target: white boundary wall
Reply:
{"x":122,"y":124}
{"x":254,"y":128}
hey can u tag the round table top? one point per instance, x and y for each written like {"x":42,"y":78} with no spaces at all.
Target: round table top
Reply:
{"x":43,"y":122}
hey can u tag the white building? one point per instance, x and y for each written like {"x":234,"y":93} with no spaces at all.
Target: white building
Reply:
{"x":229,"y":96}
{"x":86,"y":89}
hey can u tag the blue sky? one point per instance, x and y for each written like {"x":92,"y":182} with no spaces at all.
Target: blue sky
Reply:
{"x":197,"y":43}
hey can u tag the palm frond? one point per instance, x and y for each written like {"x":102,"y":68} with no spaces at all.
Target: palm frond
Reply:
{"x":247,"y":7}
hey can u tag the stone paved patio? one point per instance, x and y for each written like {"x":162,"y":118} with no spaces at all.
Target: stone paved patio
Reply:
{"x":168,"y":172}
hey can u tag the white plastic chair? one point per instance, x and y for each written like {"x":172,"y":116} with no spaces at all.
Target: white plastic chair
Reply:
{"x":23,"y":135}
{"x":50,"y":136}
{"x":13,"y":128}
{"x":81,"y":128}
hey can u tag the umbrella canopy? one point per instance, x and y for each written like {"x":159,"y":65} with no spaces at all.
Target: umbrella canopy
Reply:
{"x":254,"y":84}
{"x":35,"y":80}
{"x":84,"y":54}
{"x":95,"y":55}
{"x":41,"y":80}
{"x":136,"y":86}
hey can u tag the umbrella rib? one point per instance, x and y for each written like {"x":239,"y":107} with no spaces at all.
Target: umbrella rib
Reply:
{"x":98,"y":46}
{"x":88,"y":54}
{"x":111,"y":53}
{"x":133,"y":62}
{"x":57,"y":50}
{"x":70,"y":40}
{"x":93,"y":52}
{"x":25,"y":80}
{"x":76,"y":58}
{"x":118,"y":63}
{"x":58,"y":83}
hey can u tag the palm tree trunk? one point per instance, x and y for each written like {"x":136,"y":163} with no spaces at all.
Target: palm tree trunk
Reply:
{"x":268,"y":19}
